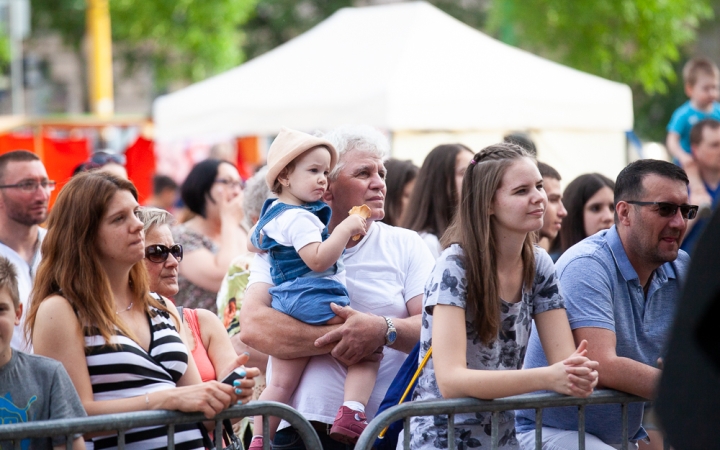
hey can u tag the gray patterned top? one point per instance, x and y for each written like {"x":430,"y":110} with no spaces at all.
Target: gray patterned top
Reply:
{"x":447,"y":286}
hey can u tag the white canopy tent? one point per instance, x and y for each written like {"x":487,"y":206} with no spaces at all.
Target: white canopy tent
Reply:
{"x":422,"y":76}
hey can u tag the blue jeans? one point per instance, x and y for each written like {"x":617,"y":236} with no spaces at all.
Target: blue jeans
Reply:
{"x":289,"y":439}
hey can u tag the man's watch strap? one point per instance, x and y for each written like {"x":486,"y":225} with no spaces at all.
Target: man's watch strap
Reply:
{"x":391,"y":334}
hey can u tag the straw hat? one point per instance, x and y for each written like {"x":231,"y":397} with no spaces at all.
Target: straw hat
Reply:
{"x":290,"y":144}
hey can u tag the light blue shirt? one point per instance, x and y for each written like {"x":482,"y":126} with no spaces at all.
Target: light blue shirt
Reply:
{"x":685,"y":117}
{"x":602,"y":290}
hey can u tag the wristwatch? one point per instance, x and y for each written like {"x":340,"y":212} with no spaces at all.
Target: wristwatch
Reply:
{"x":391,"y":334}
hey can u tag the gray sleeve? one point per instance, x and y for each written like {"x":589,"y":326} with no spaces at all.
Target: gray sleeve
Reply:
{"x":447,"y":284}
{"x":546,"y":287}
{"x":64,"y":400}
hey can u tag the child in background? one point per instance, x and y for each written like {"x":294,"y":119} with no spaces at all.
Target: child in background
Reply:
{"x":31,"y":387}
{"x":701,"y":78}
{"x":306,"y":267}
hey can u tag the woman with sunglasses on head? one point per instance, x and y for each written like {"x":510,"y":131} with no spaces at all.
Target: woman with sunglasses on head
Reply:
{"x":209,"y":342}
{"x":214,"y":236}
{"x":92,"y":310}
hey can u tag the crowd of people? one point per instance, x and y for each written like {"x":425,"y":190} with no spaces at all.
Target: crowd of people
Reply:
{"x":323,"y":271}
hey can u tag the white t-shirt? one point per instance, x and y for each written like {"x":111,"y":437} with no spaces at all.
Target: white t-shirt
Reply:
{"x":297,"y":228}
{"x":26,"y":277}
{"x":432,"y":242}
{"x":387,"y":268}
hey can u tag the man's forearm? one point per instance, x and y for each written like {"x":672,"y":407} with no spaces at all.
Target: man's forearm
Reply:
{"x":627,"y":375}
{"x":275,"y":333}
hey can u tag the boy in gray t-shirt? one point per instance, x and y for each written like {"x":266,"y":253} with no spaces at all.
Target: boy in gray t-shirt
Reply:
{"x":31,"y":387}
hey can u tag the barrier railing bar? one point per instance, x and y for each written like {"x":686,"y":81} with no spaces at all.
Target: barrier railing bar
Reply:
{"x":68,"y":442}
{"x":126,"y":421}
{"x":494,"y":424}
{"x":266,"y":432}
{"x":218,"y":432}
{"x":121,"y":439}
{"x":467,"y":405}
{"x":451,"y":432}
{"x":406,"y":434}
{"x":171,"y":437}
{"x":581,"y":427}
{"x":625,"y":431}
{"x":538,"y":429}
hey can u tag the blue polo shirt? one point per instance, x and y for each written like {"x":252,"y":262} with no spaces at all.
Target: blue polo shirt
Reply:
{"x":601,"y":289}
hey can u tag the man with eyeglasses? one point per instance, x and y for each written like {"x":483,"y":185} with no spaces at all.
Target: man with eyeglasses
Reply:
{"x":620,"y":287}
{"x":24,"y":194}
{"x":705,"y":146}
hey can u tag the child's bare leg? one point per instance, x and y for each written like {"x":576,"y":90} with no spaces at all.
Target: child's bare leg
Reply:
{"x":335,"y":321}
{"x":350,"y":420}
{"x":360,"y":381}
{"x":286,"y":374}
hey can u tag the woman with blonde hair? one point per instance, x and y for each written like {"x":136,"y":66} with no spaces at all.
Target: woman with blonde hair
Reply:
{"x":93,"y":312}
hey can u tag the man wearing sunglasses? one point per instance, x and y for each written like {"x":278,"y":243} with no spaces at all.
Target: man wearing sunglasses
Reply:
{"x":24,"y":195}
{"x":705,"y":146}
{"x":621,"y":287}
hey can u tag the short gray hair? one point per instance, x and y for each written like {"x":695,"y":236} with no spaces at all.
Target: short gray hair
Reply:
{"x":256,"y":192}
{"x":151,"y":217}
{"x":356,"y":138}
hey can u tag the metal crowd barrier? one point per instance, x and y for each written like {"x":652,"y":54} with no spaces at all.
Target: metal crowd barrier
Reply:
{"x":126,"y":421}
{"x":470,"y":405}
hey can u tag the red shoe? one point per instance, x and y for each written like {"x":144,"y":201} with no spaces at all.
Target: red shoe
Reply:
{"x":348,"y":425}
{"x":256,"y":444}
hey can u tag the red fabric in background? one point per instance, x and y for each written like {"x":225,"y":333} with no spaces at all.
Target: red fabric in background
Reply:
{"x":141,"y":167}
{"x":60,"y":156}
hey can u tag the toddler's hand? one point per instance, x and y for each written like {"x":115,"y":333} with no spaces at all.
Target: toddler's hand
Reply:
{"x":354,"y":225}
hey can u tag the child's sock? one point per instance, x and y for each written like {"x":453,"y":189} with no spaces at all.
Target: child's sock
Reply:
{"x":355,"y":406}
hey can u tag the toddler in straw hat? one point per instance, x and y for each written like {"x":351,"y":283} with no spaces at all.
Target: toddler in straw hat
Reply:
{"x":306,"y":267}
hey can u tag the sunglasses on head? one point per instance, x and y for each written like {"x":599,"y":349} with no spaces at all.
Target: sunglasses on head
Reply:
{"x":159,"y":253}
{"x":667,"y":209}
{"x":101,"y":158}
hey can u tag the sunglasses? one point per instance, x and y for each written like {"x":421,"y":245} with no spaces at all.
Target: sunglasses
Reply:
{"x":666,"y":209}
{"x":159,"y":253}
{"x":101,"y":158}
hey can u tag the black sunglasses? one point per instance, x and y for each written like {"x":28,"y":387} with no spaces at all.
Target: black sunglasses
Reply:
{"x":159,"y":253}
{"x":666,"y":209}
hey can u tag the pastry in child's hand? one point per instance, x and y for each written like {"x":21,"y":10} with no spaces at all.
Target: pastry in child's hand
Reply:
{"x":364,"y":212}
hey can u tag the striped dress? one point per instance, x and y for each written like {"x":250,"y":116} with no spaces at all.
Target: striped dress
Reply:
{"x":129,"y":371}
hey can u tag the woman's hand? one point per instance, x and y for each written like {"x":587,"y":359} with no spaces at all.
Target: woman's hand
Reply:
{"x":208,"y":398}
{"x":231,"y":209}
{"x":576,"y":375}
{"x":243,"y":387}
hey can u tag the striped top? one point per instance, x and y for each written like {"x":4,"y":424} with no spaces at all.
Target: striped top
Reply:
{"x":130,"y":371}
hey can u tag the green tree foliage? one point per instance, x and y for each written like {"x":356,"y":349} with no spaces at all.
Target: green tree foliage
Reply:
{"x":275,"y":22}
{"x":631,"y":41}
{"x":185,"y":39}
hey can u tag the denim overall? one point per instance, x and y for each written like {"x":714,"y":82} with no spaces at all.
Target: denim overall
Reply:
{"x":299,"y":292}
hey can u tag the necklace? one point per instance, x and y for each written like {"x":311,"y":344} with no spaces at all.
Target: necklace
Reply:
{"x":126,"y":309}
